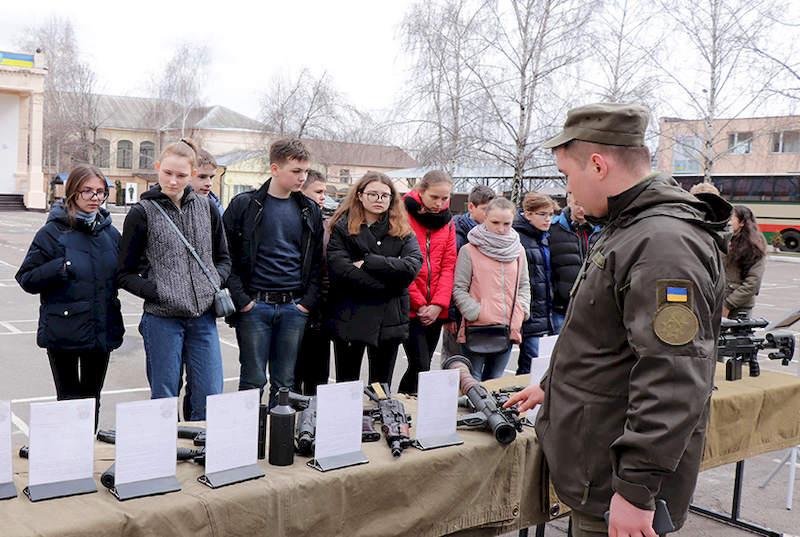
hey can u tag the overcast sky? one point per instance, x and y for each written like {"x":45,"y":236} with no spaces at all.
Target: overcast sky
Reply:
{"x":126,"y":41}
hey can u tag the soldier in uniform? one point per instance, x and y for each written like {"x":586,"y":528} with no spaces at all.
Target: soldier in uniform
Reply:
{"x":626,"y":399}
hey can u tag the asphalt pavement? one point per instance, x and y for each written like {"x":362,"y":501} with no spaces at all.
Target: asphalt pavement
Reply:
{"x":26,"y":378}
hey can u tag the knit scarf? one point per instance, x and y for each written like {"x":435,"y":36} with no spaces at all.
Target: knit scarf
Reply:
{"x":503,"y":248}
{"x":427,"y":219}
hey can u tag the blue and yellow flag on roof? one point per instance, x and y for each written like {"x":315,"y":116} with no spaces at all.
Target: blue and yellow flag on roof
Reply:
{"x":15,"y":59}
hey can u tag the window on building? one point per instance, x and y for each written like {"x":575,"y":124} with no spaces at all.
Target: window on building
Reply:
{"x":125,"y":154}
{"x":686,"y":154}
{"x":344,"y":176}
{"x":147,"y":155}
{"x":786,"y":142}
{"x":740,"y":143}
{"x":238,"y":189}
{"x":102,"y":153}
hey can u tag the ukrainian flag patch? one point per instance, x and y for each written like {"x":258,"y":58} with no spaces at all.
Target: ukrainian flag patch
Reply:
{"x":677,"y":294}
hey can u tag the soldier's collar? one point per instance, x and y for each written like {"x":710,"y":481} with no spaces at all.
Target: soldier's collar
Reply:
{"x":617,"y":204}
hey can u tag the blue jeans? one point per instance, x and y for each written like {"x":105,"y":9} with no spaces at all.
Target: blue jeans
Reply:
{"x":488,"y":366}
{"x":269,"y":335}
{"x":169,"y":343}
{"x":528,"y":350}
{"x":558,"y":322}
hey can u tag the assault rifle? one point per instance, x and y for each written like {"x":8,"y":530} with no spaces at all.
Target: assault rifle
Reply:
{"x":739,"y":344}
{"x":393,"y":417}
{"x":305,"y":432}
{"x":489,"y":412}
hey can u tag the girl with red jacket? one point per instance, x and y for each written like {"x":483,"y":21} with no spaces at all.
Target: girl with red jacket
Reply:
{"x":430,"y":218}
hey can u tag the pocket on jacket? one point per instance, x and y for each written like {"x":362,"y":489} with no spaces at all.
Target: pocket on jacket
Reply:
{"x":69,"y":325}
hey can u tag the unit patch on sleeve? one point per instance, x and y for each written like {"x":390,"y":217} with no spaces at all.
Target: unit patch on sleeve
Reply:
{"x":675,"y":322}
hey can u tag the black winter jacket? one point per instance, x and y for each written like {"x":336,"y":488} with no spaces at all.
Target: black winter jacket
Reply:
{"x":536,"y":245}
{"x":569,"y":246}
{"x":243,"y":229}
{"x":371,"y":304}
{"x":73,"y":269}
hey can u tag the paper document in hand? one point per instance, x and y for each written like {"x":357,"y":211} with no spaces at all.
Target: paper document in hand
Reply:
{"x":339,"y":410}
{"x":437,"y":406}
{"x":231,"y":430}
{"x":62,"y":441}
{"x":147,"y":440}
{"x":539,"y":367}
{"x":5,"y":442}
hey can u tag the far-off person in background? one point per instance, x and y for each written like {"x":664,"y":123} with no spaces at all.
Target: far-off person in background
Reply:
{"x":204,"y":180}
{"x":314,"y":356}
{"x":626,"y":399}
{"x":744,"y":264}
{"x":571,"y":237}
{"x":478,"y":200}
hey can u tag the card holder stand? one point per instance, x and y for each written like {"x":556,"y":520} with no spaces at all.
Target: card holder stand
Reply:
{"x":435,"y":442}
{"x":231,"y":476}
{"x":7,"y":491}
{"x":61,"y":489}
{"x":335,"y":462}
{"x":147,"y":487}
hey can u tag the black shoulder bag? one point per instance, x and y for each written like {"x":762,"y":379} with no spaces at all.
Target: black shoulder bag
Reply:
{"x":223,"y":303}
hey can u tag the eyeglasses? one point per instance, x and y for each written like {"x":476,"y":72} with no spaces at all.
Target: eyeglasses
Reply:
{"x":374,"y":196}
{"x":88,"y":195}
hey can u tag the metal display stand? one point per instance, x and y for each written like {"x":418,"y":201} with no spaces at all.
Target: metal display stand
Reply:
{"x":61,"y":489}
{"x":7,"y":491}
{"x":148,"y":487}
{"x":733,"y":518}
{"x":231,"y":476}
{"x":327,"y":464}
{"x":435,"y":442}
{"x":790,"y":458}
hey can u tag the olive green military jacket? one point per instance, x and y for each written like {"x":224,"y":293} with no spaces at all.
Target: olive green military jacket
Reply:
{"x":741,"y":291}
{"x":629,"y":386}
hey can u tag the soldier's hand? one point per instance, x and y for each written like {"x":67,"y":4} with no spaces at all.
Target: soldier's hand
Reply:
{"x":530,"y":397}
{"x":627,"y":520}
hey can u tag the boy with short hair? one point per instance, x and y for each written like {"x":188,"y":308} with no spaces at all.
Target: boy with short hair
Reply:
{"x":478,"y":200}
{"x":275,"y":238}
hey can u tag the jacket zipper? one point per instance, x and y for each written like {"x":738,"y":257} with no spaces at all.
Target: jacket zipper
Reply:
{"x":428,"y":260}
{"x":257,"y":231}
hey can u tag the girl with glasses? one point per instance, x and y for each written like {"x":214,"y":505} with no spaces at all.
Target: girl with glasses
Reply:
{"x":373,"y":257}
{"x":72,"y":265}
{"x":533,"y":226}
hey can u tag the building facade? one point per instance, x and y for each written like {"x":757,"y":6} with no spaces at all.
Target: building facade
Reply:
{"x":21,"y":126}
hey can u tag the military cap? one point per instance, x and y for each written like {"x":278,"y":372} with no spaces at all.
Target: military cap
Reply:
{"x":604,"y":123}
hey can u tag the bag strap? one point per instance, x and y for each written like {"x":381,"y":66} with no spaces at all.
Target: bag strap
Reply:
{"x":188,"y":246}
{"x":516,"y":288}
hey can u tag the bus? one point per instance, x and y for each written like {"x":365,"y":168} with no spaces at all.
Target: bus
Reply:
{"x":774,"y":200}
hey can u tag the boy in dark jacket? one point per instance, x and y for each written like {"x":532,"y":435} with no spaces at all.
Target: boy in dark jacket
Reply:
{"x":275,"y":240}
{"x":478,"y":200}
{"x":571,"y":236}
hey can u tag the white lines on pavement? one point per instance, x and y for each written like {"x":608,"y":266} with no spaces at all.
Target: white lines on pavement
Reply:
{"x":21,"y":425}
{"x":778,"y":461}
{"x":11,"y":328}
{"x":104,"y":393}
{"x":29,"y":332}
{"x":229,"y":343}
{"x":4,"y":264}
{"x":779,"y":287}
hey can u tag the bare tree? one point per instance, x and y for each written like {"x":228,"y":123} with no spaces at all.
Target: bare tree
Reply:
{"x":306,"y":105}
{"x":624,"y":41}
{"x":179,"y":86}
{"x":719,"y":33}
{"x":444,"y":100}
{"x":532,"y":41}
{"x":70,"y":103}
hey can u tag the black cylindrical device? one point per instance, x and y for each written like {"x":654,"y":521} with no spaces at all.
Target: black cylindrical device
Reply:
{"x":281,"y":431}
{"x":263,"y":413}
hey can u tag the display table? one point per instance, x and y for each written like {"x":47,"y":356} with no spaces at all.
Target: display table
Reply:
{"x":478,"y":488}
